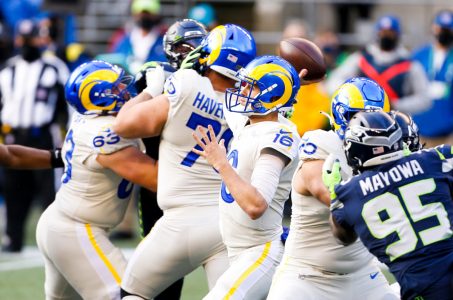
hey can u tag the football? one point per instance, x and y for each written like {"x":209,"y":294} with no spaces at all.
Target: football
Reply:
{"x":304,"y":54}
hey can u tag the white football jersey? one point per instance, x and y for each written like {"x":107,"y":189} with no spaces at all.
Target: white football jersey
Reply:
{"x":185,"y":178}
{"x":311,"y":240}
{"x":90,"y":193}
{"x":239,"y":231}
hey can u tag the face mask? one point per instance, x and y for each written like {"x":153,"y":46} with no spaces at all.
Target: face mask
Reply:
{"x":445,"y":37}
{"x":30,"y":53}
{"x":147,"y":23}
{"x":387,"y":43}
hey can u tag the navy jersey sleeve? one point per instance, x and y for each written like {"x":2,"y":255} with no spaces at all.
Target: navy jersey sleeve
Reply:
{"x":339,"y":213}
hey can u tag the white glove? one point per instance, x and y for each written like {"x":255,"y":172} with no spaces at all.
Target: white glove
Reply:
{"x":155,"y":80}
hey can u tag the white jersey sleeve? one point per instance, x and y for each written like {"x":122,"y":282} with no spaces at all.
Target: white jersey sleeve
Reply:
{"x":178,"y":87}
{"x":317,"y":144}
{"x":282,"y":139}
{"x":106,"y":141}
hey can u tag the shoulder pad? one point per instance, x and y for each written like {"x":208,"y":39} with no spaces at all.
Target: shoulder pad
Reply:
{"x":318,"y":144}
{"x":106,"y":141}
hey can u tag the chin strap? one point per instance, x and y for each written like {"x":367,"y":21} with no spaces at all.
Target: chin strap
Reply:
{"x":328,"y":117}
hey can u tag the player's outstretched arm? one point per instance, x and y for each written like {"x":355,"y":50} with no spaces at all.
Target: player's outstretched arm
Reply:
{"x":308,"y":181}
{"x":344,"y":234}
{"x":21,"y":157}
{"x":133,"y":165}
{"x":140,"y":118}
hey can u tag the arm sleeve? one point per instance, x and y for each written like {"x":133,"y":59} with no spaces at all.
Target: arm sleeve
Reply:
{"x":177,"y":87}
{"x":311,"y":146}
{"x":266,"y":175}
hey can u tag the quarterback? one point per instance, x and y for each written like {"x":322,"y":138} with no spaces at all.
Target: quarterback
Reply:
{"x":256,"y":176}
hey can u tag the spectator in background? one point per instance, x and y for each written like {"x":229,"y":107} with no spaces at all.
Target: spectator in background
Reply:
{"x":143,"y":42}
{"x":205,"y":14}
{"x":388,"y":63}
{"x":437,"y":61}
{"x":31,"y":93}
{"x":295,"y":28}
{"x":72,"y":53}
{"x":329,"y":44}
{"x":6,"y":44}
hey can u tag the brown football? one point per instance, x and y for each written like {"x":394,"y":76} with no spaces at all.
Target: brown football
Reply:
{"x":304,"y":54}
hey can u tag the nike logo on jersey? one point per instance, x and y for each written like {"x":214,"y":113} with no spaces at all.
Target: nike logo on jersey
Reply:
{"x":374,"y":275}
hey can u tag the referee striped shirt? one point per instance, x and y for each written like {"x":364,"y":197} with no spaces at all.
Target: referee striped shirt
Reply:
{"x":30,"y":91}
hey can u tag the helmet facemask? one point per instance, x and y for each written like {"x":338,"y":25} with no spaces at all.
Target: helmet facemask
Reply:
{"x":181,"y":38}
{"x":266,"y":85}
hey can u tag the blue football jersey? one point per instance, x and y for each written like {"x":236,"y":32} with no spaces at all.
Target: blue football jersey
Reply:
{"x":403,"y":211}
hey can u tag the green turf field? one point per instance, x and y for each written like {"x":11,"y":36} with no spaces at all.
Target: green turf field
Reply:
{"x":22,"y":275}
{"x":27,"y":284}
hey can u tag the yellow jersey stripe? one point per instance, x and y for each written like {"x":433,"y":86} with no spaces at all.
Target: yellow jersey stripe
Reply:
{"x":101,"y":254}
{"x":247,"y":272}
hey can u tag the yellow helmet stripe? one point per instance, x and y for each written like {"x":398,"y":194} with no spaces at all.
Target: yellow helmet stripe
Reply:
{"x":89,"y":82}
{"x":355,"y":96}
{"x":280,"y":72}
{"x":216,"y":38}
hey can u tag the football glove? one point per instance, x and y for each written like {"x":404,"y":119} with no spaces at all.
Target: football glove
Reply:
{"x":155,"y":80}
{"x":331,"y":175}
{"x":191,"y":58}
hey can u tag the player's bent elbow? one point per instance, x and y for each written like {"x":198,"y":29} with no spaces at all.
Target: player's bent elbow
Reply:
{"x":122,"y":128}
{"x":256,"y":211}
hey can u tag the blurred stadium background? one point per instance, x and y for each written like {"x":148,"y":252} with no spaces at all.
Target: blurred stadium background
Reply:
{"x":22,"y":275}
{"x":352,"y":20}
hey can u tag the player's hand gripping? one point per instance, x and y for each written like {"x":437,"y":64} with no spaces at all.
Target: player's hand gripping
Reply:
{"x":191,"y":58}
{"x":155,"y":79}
{"x":303,"y":81}
{"x":331,"y":175}
{"x":213,"y":151}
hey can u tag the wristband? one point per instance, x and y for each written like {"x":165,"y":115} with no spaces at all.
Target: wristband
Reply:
{"x":56,"y":161}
